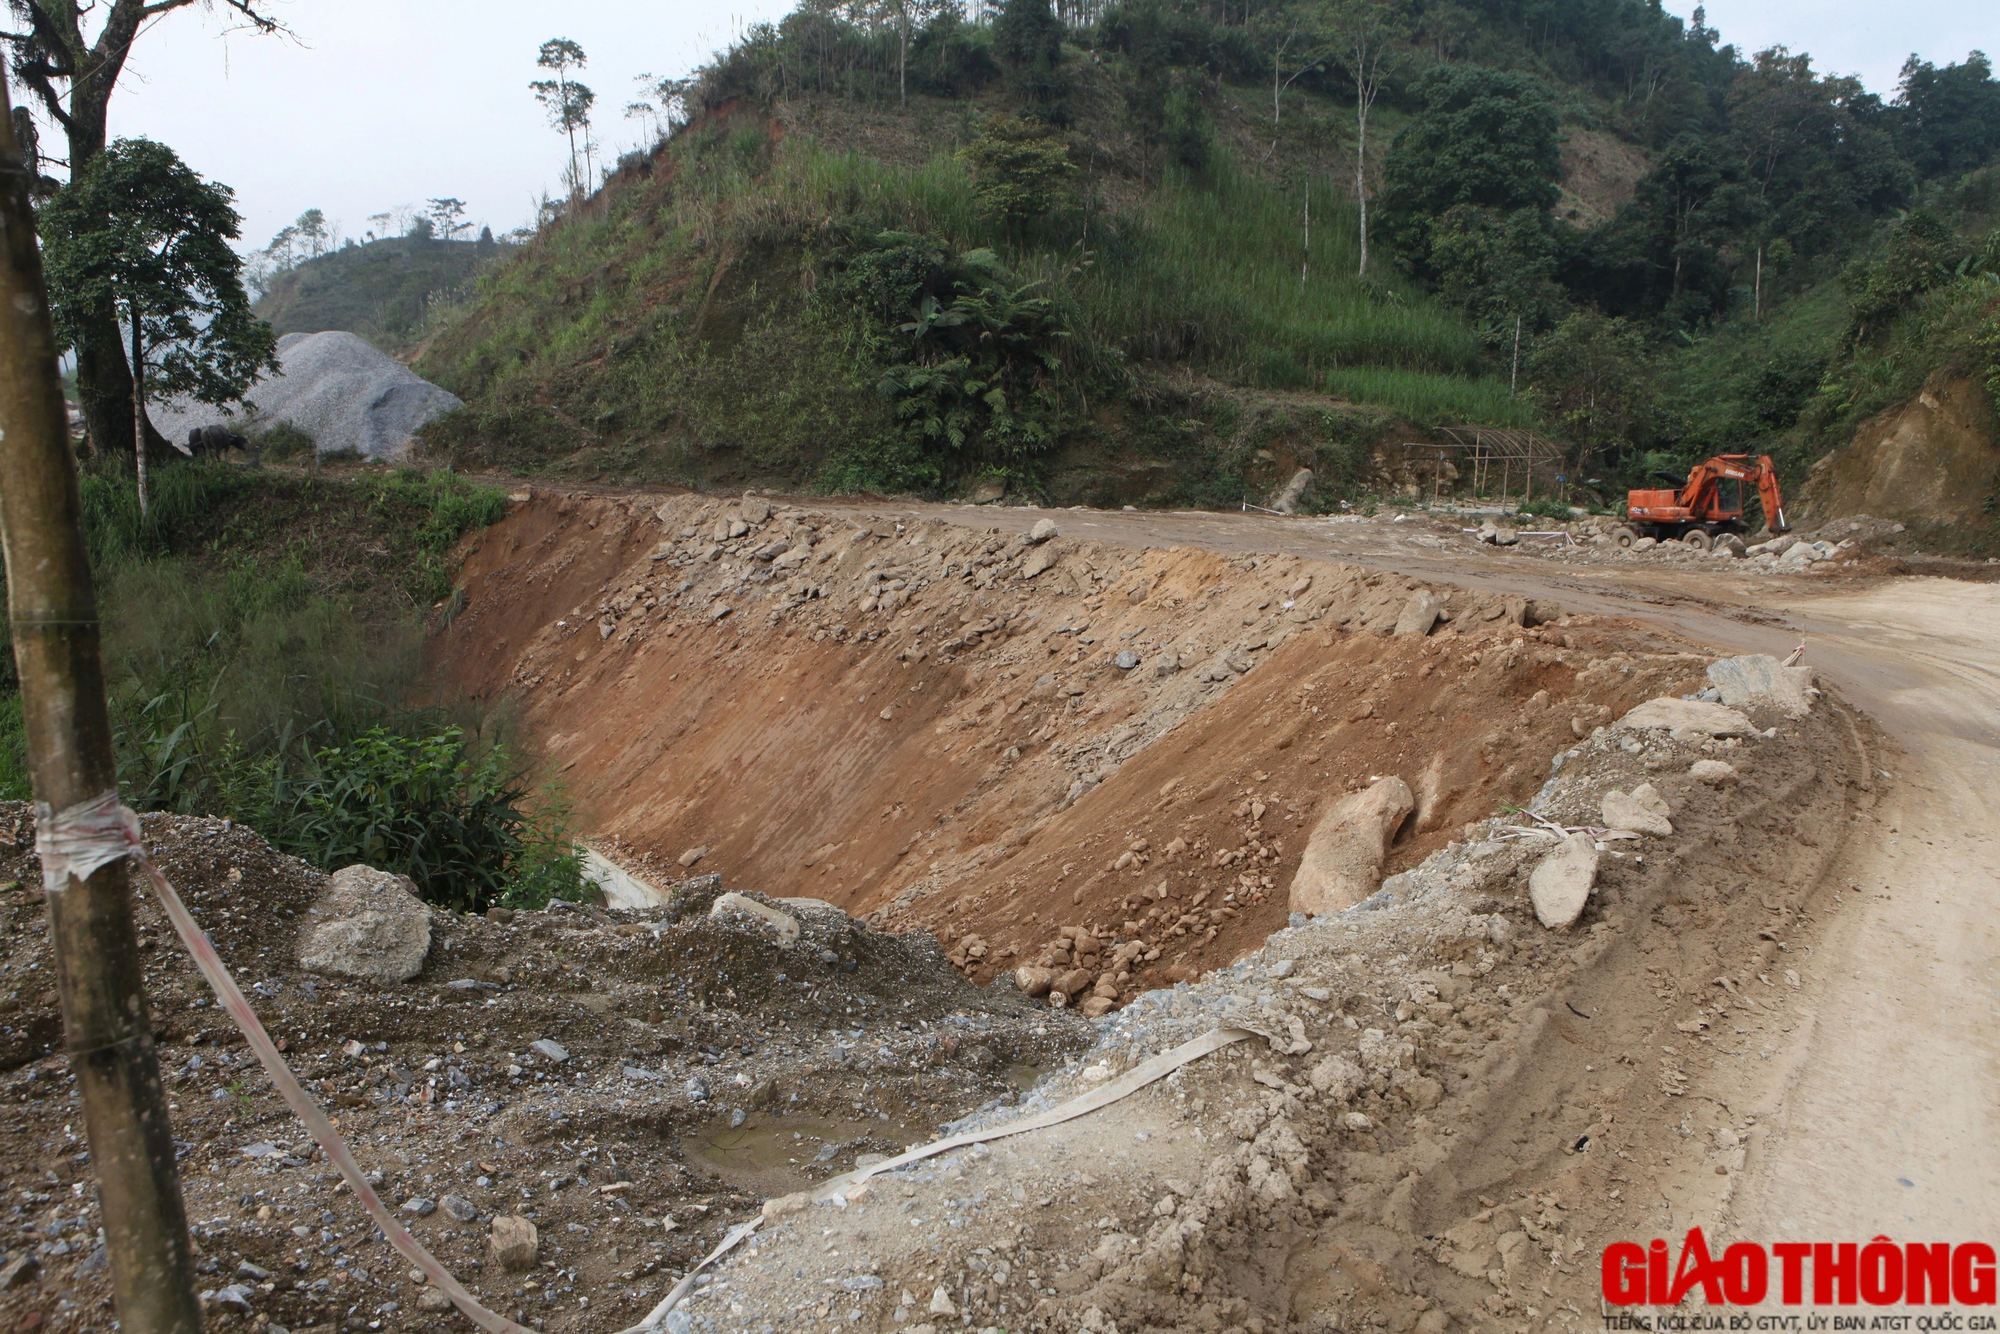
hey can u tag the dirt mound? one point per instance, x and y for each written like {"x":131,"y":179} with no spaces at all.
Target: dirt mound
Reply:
{"x":975,"y":733}
{"x":536,"y":1064}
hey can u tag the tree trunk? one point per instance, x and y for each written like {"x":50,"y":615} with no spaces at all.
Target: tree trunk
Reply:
{"x":103,"y":378}
{"x":102,"y":982}
{"x":1361,"y":175}
{"x":139,"y":422}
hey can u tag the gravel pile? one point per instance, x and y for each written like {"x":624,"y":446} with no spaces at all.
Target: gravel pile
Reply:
{"x":336,"y":387}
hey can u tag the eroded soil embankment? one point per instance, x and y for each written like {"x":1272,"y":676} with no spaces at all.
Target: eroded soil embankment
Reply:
{"x":928,"y":721}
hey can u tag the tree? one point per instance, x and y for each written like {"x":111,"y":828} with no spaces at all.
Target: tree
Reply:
{"x":1363,"y":38}
{"x":315,"y":237}
{"x":1027,"y":41}
{"x":1592,"y":377}
{"x":1021,"y":170}
{"x":447,"y":218}
{"x":73,"y":78}
{"x":1485,"y":137}
{"x":1815,"y":150}
{"x":568,"y":103}
{"x":1949,"y":119}
{"x":1468,"y":187}
{"x":138,"y":232}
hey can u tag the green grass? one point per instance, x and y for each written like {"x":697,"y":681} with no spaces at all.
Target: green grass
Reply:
{"x":262,"y":649}
{"x":1427,"y":399}
{"x":1210,"y":272}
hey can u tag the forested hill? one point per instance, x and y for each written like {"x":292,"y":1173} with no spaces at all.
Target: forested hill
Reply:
{"x":1114,"y":252}
{"x":386,"y":290}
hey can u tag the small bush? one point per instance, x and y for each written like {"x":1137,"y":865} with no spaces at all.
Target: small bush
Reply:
{"x":1544,"y":508}
{"x":284,"y":441}
{"x":424,"y":806}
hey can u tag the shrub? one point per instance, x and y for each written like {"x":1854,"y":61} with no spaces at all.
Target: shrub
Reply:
{"x":424,"y":806}
{"x":1545,"y":508}
{"x":285,"y":441}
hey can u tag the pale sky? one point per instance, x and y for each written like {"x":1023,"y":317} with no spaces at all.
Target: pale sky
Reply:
{"x":379,"y":103}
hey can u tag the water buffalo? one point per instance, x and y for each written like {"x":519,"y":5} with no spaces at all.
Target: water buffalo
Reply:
{"x":213,"y":442}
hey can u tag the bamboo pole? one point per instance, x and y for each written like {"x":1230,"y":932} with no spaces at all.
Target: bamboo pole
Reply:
{"x":54,"y":615}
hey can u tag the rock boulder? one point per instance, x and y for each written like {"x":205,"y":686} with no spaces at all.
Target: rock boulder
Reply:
{"x":1561,"y":882}
{"x":1759,"y":678}
{"x":1342,"y":863}
{"x":1671,"y":714}
{"x":1419,"y":614}
{"x":1642,"y":811}
{"x":512,"y":1243}
{"x":369,"y":924}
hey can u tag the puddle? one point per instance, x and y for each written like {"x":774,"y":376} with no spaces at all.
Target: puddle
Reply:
{"x":1023,"y":1076}
{"x":772,"y":1154}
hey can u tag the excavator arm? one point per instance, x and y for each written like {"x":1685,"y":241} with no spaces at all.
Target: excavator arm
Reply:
{"x":1767,"y":491}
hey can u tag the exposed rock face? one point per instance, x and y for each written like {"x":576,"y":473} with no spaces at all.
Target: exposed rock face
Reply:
{"x":1342,"y":864}
{"x":1930,"y":462}
{"x":370,"y":924}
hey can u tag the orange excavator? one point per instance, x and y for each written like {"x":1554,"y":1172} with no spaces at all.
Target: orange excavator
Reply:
{"x":1707,"y":505}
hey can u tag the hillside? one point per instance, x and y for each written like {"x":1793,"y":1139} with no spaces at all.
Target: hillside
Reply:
{"x":387,"y":291}
{"x":1105,"y":261}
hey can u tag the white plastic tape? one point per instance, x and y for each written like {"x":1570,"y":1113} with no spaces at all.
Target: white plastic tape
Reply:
{"x":79,"y":839}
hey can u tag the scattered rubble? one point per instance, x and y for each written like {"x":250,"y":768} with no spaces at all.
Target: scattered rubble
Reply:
{"x":582,"y":1098}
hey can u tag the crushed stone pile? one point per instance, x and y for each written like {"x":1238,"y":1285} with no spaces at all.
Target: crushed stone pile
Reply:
{"x":338,"y":388}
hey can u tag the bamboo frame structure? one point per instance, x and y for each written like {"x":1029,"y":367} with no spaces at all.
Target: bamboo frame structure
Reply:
{"x":1482,"y":451}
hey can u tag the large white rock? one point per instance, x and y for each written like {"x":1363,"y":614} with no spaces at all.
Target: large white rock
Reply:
{"x":1671,"y":714}
{"x":621,"y":888}
{"x":1342,"y":863}
{"x":1641,"y":811}
{"x":369,"y":924}
{"x":1759,"y":678}
{"x":338,"y":388}
{"x":1561,"y":882}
